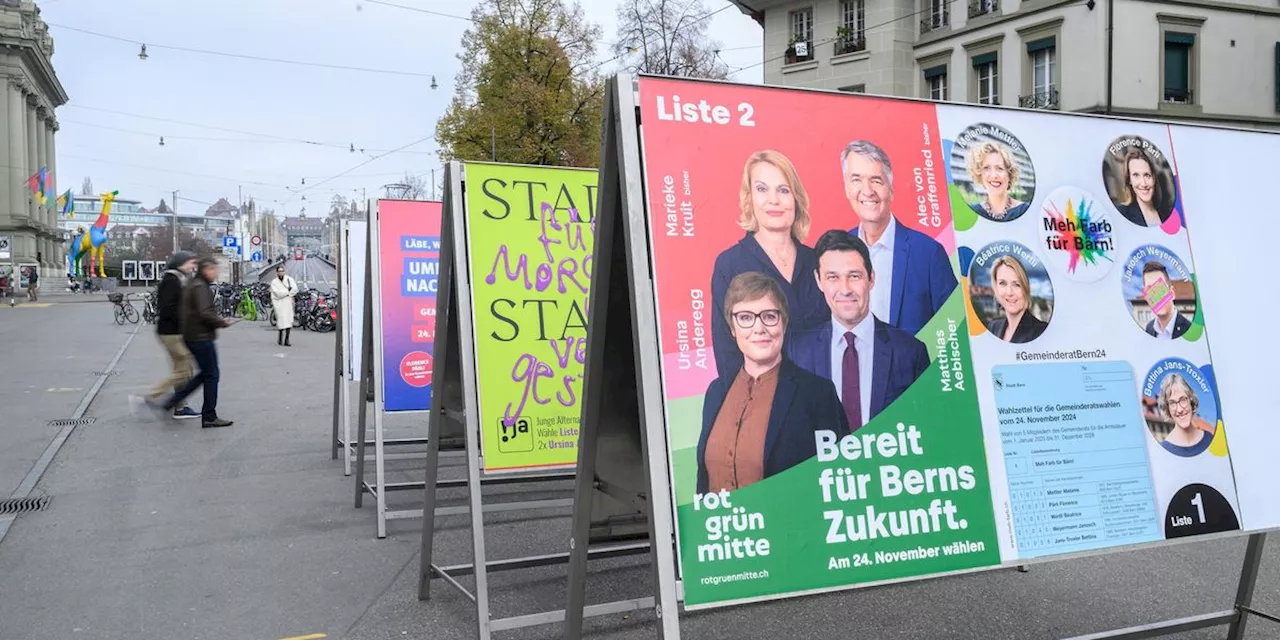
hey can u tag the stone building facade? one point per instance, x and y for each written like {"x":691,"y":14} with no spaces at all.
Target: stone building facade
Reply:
{"x":28,"y":130}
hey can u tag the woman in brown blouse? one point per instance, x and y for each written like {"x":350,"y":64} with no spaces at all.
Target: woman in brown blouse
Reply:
{"x":760,"y":420}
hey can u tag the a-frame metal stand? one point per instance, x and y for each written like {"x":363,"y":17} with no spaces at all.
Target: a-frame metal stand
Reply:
{"x":622,"y":413}
{"x":455,"y":361}
{"x":623,"y":333}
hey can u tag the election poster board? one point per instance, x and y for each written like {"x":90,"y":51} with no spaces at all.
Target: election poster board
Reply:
{"x":406,"y":266}
{"x":530,"y":238}
{"x":908,"y":339}
{"x":355,"y":246}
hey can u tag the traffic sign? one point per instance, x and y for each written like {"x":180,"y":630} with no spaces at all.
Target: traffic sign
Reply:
{"x":257,"y":255}
{"x":230,"y":251}
{"x":255,"y":241}
{"x":5,"y":250}
{"x":230,"y":241}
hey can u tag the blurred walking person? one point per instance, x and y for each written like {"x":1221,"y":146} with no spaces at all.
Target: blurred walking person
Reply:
{"x":200,"y":324}
{"x":283,"y":290}
{"x":33,"y":280}
{"x":177,"y":273}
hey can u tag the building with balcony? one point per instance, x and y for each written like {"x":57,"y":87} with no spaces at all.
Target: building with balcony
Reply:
{"x":1044,"y":54}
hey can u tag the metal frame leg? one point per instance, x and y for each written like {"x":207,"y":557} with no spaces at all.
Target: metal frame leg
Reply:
{"x":1248,"y":581}
{"x":1236,"y":617}
{"x":361,"y":428}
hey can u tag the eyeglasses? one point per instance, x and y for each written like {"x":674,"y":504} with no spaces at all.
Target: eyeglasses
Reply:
{"x":747,"y":319}
{"x":1182,"y":403}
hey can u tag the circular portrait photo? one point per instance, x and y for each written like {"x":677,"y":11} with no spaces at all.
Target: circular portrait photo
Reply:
{"x":1010,"y":291}
{"x":993,"y":172}
{"x":1179,"y":407}
{"x":1197,"y":509}
{"x":1077,"y":234}
{"x":1139,"y":181}
{"x":1160,"y":293}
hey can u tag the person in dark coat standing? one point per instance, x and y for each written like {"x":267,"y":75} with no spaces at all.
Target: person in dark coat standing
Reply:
{"x":200,"y":324}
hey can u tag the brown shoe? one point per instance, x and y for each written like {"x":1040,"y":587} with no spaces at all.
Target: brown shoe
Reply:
{"x":216,"y":423}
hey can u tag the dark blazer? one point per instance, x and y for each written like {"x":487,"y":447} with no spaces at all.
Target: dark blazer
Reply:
{"x":1133,"y":213}
{"x":922,"y":279}
{"x":200,"y":320}
{"x":899,"y":358}
{"x":1029,"y":328}
{"x":802,"y":404}
{"x":805,"y":303}
{"x":1180,"y":326}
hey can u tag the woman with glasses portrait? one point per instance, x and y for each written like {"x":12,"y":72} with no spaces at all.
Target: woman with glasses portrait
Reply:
{"x":1179,"y":404}
{"x":760,"y":419}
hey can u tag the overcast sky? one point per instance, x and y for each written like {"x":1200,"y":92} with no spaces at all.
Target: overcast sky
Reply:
{"x":375,"y":111}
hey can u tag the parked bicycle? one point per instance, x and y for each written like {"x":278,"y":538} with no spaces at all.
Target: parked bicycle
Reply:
{"x":150,"y":311}
{"x":122,"y":309}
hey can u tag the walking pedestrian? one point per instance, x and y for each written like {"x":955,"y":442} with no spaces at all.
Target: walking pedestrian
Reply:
{"x":178,"y":272}
{"x":200,"y":324}
{"x":283,"y":290}
{"x":33,"y":278}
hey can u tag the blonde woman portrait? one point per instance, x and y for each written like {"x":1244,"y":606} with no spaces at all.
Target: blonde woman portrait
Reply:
{"x":995,"y":176}
{"x":773,"y":213}
{"x":1014,"y":322}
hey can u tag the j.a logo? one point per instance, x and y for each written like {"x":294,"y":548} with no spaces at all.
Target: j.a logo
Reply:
{"x":515,"y":436}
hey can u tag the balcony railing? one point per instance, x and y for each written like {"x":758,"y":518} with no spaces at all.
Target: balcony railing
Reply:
{"x":850,"y":44}
{"x":983,"y":7}
{"x":1178,"y":96}
{"x":936,"y":20}
{"x":1042,"y":100}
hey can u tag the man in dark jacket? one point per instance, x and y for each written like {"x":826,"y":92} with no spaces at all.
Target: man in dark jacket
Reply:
{"x":200,"y":323}
{"x":169,"y":329}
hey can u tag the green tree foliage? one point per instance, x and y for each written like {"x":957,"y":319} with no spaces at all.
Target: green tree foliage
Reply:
{"x":529,"y":91}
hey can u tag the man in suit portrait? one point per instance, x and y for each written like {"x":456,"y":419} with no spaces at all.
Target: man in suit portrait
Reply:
{"x":870,"y":362}
{"x":1167,"y":324}
{"x":915,"y":276}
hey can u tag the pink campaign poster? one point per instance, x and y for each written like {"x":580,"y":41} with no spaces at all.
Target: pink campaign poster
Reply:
{"x":409,"y":264}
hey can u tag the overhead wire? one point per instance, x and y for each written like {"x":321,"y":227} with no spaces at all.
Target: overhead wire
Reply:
{"x":348,"y":171}
{"x":345,"y":146}
{"x":241,"y":56}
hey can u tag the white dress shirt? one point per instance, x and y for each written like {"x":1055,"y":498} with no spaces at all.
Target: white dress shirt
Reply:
{"x":882,"y":266}
{"x":1165,"y":332}
{"x":864,"y":334}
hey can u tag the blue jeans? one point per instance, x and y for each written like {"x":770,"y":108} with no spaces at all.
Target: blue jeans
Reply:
{"x":206,"y":356}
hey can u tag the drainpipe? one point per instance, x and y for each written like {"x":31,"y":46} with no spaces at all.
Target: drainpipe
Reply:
{"x":1111,"y":38}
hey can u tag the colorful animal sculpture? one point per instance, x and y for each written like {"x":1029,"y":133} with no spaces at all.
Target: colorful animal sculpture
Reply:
{"x":97,"y":238}
{"x":76,"y":251}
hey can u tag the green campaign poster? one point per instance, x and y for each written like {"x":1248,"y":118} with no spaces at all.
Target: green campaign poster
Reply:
{"x":530,"y":236}
{"x":822,"y":422}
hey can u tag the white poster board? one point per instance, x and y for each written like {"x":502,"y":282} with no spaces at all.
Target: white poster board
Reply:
{"x":354,"y":264}
{"x":129,"y":270}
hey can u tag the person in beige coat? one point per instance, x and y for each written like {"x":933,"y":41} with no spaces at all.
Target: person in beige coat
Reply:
{"x":283,"y":289}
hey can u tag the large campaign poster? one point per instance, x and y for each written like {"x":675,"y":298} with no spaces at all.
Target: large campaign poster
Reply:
{"x":408,"y":250}
{"x":1090,"y":347}
{"x":822,"y":420}
{"x":530,"y":237}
